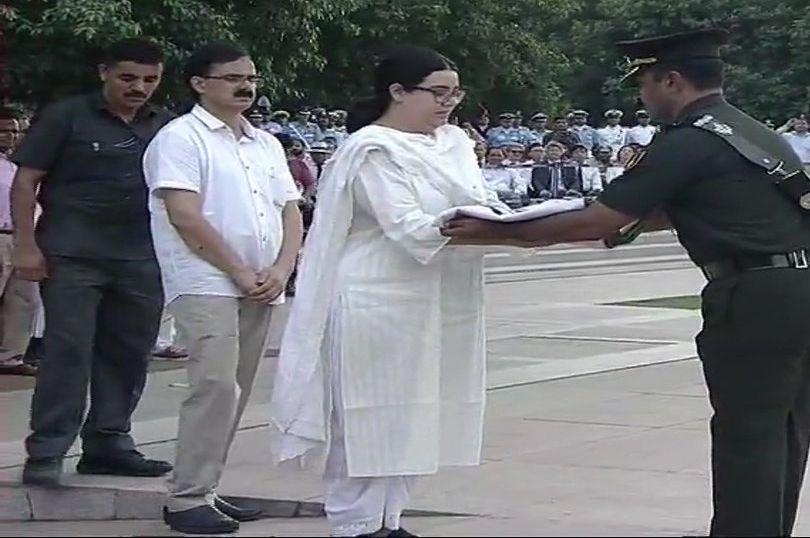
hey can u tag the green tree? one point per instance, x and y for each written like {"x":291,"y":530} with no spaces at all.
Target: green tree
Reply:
{"x":500,"y":47}
{"x":515,"y":54}
{"x":768,"y":68}
{"x":54,"y":45}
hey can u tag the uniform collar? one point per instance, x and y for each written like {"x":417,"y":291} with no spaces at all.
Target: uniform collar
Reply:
{"x":696,"y":106}
{"x":214,"y":123}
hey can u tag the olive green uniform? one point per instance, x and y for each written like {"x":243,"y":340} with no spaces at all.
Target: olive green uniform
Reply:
{"x":749,"y":238}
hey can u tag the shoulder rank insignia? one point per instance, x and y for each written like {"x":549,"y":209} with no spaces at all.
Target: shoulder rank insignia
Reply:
{"x":635,"y":159}
{"x":709,"y":122}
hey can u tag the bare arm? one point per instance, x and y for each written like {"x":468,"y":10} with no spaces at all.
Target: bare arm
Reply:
{"x":185,"y":213}
{"x":293,"y":234}
{"x":594,"y":222}
{"x":28,"y":259}
{"x":273,"y":280}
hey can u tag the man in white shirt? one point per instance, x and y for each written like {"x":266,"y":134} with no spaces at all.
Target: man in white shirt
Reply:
{"x":642,"y":133}
{"x":227,"y":231}
{"x":799,"y":140}
{"x":18,"y":298}
{"x":612,"y":135}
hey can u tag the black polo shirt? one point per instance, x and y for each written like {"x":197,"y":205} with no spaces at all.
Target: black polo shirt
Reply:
{"x":93,"y":198}
{"x":721,"y":204}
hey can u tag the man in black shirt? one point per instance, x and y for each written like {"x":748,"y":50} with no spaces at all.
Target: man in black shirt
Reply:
{"x":92,"y":252}
{"x":562,"y":134}
{"x":739,"y":199}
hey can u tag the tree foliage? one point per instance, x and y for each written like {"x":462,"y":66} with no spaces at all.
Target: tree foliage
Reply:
{"x":512,"y":54}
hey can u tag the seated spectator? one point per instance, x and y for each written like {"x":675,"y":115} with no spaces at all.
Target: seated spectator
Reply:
{"x":481,"y":124}
{"x":473,"y":133}
{"x":331,"y":142}
{"x":537,"y":125}
{"x":255,"y":118}
{"x":304,"y":129}
{"x":320,"y":152}
{"x":505,"y":182}
{"x":339,"y":119}
{"x":555,"y":178}
{"x":627,"y":153}
{"x":503,"y":133}
{"x":612,"y":134}
{"x":642,"y":133}
{"x":536,"y":154}
{"x":608,"y":170}
{"x":281,"y":118}
{"x":321,"y":118}
{"x":515,"y":155}
{"x":585,"y":133}
{"x":561,"y":133}
{"x":579,"y":155}
{"x":332,"y":134}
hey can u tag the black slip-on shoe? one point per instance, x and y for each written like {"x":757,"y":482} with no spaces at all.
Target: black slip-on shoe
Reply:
{"x":239,"y":513}
{"x":131,"y":463}
{"x":200,"y":520}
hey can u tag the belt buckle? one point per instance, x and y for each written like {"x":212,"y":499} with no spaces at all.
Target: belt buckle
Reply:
{"x":799,"y":259}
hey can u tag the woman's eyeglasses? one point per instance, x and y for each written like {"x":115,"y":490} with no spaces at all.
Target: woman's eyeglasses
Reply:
{"x":443,"y":95}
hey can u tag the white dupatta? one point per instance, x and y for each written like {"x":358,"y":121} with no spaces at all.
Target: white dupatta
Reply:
{"x":299,"y":407}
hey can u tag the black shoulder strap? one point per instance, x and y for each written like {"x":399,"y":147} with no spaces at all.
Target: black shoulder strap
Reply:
{"x":742,"y":145}
{"x":791,"y":180}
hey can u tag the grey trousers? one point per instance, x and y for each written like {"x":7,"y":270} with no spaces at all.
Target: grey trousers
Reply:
{"x":18,"y":306}
{"x":102,"y":318}
{"x":226,"y":338}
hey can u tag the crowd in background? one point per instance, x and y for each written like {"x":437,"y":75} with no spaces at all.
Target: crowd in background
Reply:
{"x":561,"y":156}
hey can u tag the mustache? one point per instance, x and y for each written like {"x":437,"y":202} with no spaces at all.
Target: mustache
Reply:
{"x":243,"y":93}
{"x":135,"y":94}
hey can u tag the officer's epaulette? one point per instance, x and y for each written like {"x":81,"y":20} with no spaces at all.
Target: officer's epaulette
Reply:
{"x":707,"y":122}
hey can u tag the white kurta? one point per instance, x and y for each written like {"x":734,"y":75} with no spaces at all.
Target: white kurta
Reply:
{"x":405,"y":311}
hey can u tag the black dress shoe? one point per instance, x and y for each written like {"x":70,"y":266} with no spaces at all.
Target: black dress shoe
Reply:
{"x":201,"y":520}
{"x":382,"y":533}
{"x":131,"y":463}
{"x":401,"y":533}
{"x":236,"y":512}
{"x":43,"y":472}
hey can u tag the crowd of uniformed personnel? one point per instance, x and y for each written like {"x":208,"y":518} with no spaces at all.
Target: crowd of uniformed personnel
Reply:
{"x":549,"y":157}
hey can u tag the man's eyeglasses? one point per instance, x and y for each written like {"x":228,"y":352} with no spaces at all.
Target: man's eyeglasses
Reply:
{"x":443,"y":95}
{"x":237,"y":79}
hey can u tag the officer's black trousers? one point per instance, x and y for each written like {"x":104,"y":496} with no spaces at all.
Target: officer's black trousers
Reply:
{"x":101,"y":321}
{"x":755,"y":349}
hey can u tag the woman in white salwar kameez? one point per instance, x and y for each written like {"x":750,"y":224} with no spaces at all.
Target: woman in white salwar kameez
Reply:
{"x":383,"y":358}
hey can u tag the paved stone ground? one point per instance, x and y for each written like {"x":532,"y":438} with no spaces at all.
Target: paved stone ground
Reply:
{"x":596,"y":425}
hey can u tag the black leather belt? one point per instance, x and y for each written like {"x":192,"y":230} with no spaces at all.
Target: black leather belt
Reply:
{"x":795,"y":260}
{"x":6,"y":232}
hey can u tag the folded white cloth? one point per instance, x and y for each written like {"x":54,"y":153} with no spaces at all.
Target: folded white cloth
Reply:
{"x":532,"y":212}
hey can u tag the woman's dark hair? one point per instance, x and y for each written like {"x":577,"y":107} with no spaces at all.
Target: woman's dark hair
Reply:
{"x":200,"y":62}
{"x":407,"y":65}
